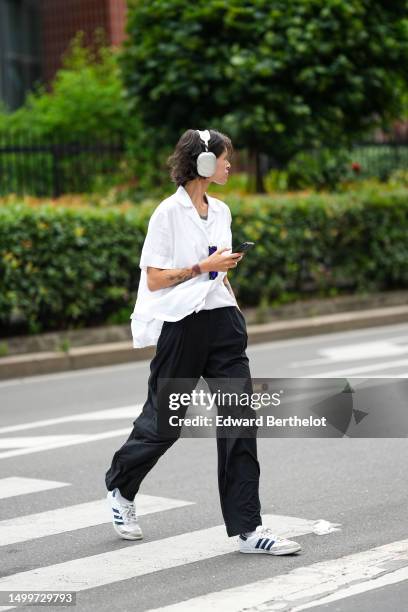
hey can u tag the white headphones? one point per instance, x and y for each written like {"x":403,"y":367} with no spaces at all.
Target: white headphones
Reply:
{"x":206,"y":161}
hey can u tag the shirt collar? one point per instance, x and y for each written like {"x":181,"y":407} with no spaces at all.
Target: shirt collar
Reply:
{"x":185,"y":200}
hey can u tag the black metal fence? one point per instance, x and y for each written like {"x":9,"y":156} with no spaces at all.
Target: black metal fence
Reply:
{"x":50,"y":169}
{"x":30,"y":166}
{"x":380,"y":159}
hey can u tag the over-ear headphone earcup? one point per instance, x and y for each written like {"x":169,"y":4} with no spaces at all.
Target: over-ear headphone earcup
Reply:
{"x":206,"y":164}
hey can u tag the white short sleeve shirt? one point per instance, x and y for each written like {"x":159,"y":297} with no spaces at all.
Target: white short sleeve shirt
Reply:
{"x":178,"y":238}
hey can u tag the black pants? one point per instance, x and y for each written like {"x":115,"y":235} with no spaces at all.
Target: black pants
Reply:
{"x":211,"y":344}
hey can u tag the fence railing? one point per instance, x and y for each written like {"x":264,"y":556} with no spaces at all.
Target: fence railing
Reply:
{"x":381,"y":158}
{"x":29,"y":166}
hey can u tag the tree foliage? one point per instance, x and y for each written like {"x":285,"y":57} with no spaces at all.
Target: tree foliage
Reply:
{"x":276,"y":75}
{"x":85,"y":100}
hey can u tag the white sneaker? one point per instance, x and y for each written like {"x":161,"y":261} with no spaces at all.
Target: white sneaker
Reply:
{"x":124,"y":517}
{"x":263,"y":540}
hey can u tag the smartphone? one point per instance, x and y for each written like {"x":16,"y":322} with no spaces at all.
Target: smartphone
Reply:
{"x":244,"y":246}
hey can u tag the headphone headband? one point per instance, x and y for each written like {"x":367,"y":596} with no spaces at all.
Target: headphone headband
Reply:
{"x":205,"y":137}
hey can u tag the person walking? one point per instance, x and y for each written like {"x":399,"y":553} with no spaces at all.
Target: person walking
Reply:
{"x":185,"y":305}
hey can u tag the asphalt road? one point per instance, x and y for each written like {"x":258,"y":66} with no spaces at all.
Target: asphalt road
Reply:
{"x":57,"y":436}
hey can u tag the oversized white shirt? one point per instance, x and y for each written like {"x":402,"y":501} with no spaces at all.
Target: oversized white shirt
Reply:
{"x":178,"y":238}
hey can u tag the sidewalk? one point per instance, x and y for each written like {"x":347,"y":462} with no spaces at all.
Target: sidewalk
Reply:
{"x":110,"y":353}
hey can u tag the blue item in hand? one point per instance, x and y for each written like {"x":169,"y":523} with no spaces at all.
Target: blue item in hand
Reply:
{"x":211,"y":250}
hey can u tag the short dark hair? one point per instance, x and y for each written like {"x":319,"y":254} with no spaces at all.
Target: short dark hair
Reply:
{"x":183,"y":161}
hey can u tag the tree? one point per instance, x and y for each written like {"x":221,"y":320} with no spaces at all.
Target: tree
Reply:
{"x":85,"y":100}
{"x":276,"y":75}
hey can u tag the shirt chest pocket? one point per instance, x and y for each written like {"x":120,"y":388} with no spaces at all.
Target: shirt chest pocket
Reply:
{"x":200,"y":248}
{"x":189,"y":249}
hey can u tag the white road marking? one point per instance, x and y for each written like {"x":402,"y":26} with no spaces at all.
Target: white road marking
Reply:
{"x":308,"y":586}
{"x":36,"y":441}
{"x":368,"y":585}
{"x":330,"y":337}
{"x":88,"y":514}
{"x":142,"y":558}
{"x":97,"y":415}
{"x":126,"y":412}
{"x":71,"y":442}
{"x":36,"y":444}
{"x":16,"y":485}
{"x":386,"y":365}
{"x":354,"y":352}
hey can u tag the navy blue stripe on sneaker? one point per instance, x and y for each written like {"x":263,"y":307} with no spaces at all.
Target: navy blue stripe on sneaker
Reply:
{"x":258,"y":543}
{"x":114,"y":509}
{"x":243,"y":537}
{"x":272,"y":542}
{"x":119,"y":523}
{"x":264,"y":543}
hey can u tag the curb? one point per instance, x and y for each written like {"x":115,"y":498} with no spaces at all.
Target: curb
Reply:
{"x":47,"y":362}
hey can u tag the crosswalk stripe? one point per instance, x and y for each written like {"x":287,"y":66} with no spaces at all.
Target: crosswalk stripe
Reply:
{"x":310,"y":585}
{"x":141,"y":559}
{"x":88,"y":514}
{"x":354,"y":352}
{"x":72,"y":441}
{"x":102,"y":415}
{"x":16,"y":485}
{"x":368,"y":585}
{"x":40,"y":441}
{"x":385,"y":365}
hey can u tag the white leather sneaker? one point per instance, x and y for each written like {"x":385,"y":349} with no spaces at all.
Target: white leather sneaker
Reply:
{"x":124,"y":517}
{"x":264,"y":541}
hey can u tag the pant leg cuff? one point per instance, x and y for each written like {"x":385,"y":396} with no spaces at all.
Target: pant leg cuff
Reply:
{"x":237,"y":530}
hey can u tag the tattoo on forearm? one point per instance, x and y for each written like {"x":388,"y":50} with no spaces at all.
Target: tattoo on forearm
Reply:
{"x":175,"y":277}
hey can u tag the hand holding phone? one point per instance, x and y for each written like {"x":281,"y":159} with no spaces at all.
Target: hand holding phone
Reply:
{"x":226,"y":252}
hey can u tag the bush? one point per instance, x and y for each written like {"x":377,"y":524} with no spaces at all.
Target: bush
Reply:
{"x":321,"y":244}
{"x":72,"y":266}
{"x":322,"y":169}
{"x":398,"y":178}
{"x":66,"y":267}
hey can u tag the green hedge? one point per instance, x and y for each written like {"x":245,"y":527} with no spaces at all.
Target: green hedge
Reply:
{"x":63,"y":267}
{"x":322,"y":245}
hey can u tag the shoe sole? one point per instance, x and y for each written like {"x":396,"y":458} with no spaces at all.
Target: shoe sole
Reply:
{"x":127,"y":536}
{"x":288,"y":551}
